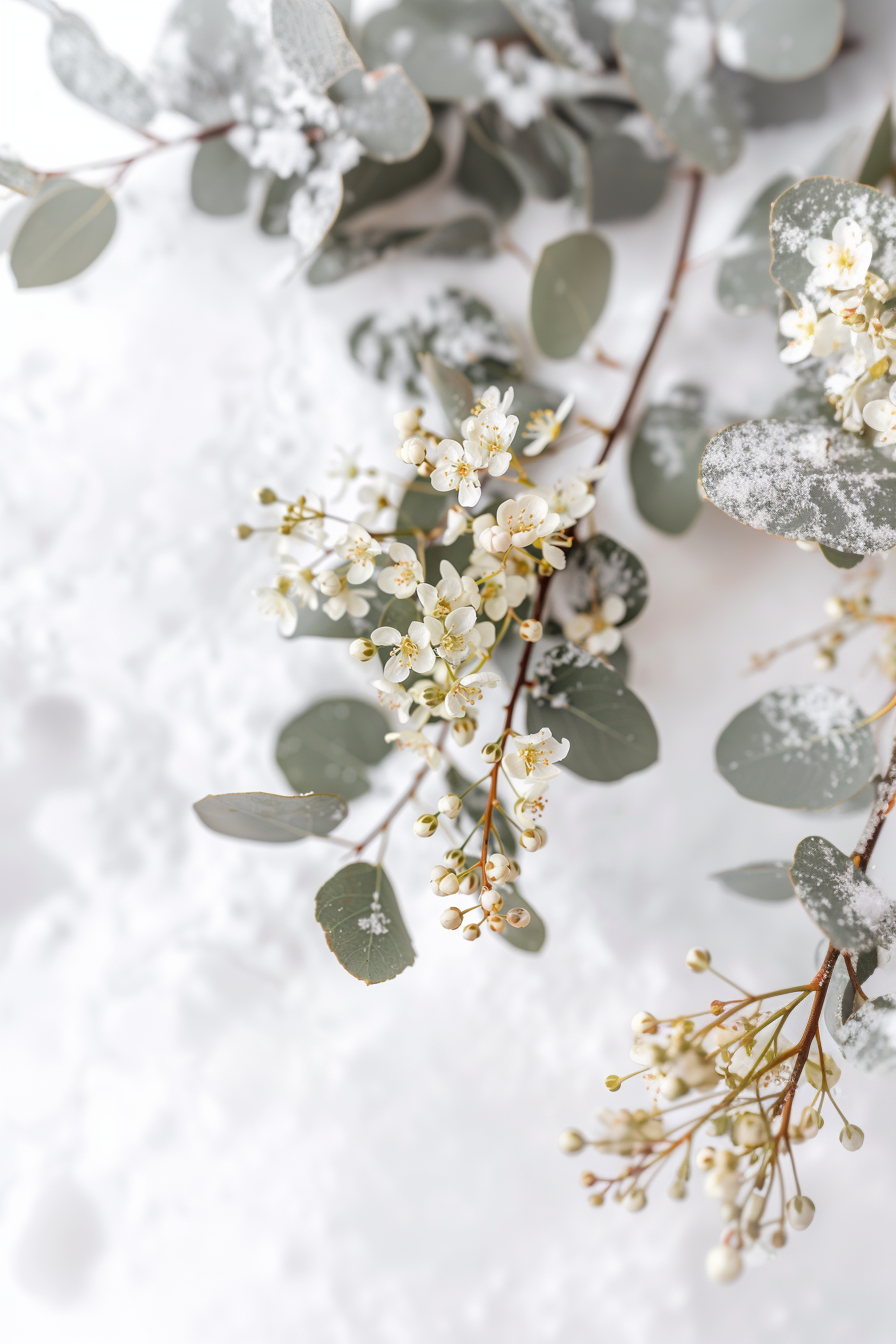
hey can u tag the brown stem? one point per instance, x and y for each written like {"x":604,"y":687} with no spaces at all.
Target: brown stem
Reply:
{"x":850,"y":970}
{"x":883,"y":805}
{"x":403,"y":800}
{"x":209,"y":133}
{"x":820,"y":985}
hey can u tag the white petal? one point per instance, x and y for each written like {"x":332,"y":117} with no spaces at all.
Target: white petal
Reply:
{"x":385,"y":634}
{"x":419,"y":634}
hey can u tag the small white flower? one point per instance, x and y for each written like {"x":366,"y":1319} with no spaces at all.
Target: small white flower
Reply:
{"x":360,"y":549}
{"x":468,"y":692}
{"x":543,"y":427}
{"x":410,"y":653}
{"x":418,"y":743}
{"x":456,"y":524}
{"x":881,"y":415}
{"x":533,"y":757}
{"x":304,"y":520}
{"x":453,"y":645}
{"x":495,"y":540}
{"x":810,"y":335}
{"x":345,"y":470}
{"x":530,"y":804}
{"x":401,"y":577}
{"x":300,"y":578}
{"x":450,"y":592}
{"x":394,"y":697}
{"x":595,"y":631}
{"x":341,"y":599}
{"x":408,"y":422}
{"x":570,"y":500}
{"x":458,"y":470}
{"x":526,"y":519}
{"x":840,"y":261}
{"x":500,"y":591}
{"x":552,"y":549}
{"x":276,"y":605}
{"x":491,"y":432}
{"x":381,"y":512}
{"x":481,"y":637}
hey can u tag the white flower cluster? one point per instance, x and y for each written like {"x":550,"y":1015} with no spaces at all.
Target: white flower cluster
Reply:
{"x":852,"y":328}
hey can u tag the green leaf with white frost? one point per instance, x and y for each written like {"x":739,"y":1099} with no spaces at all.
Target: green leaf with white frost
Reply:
{"x":205,"y":56}
{"x":553,"y":26}
{"x":762,"y":881}
{"x":84,"y":67}
{"x":371,"y":182}
{"x":453,"y":389}
{"x":312,"y":41}
{"x":483,"y":173}
{"x":531,"y":938}
{"x":343,"y":255}
{"x":626,"y":182}
{"x":271,"y":817}
{"x":569,"y":290}
{"x":878,"y":161}
{"x":434,"y":43}
{"x":363,"y":924}
{"x":865,"y":1034}
{"x":62,"y":234}
{"x":810,"y":209}
{"x":18,"y":177}
{"x":601,"y":567}
{"x":667,"y":50}
{"x":385,"y":111}
{"x":809,"y":482}
{"x":665,"y":458}
{"x":845,"y":904}
{"x":610,"y":731}
{"x":744,"y":282}
{"x":219,"y":179}
{"x":331,"y":745}
{"x":778,"y":39}
{"x":800,"y":746}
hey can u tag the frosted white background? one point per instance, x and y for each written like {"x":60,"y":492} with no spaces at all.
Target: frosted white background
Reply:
{"x":208,"y":1131}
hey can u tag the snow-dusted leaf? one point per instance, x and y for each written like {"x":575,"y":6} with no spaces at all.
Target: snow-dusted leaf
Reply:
{"x":763,"y":881}
{"x":878,"y":161}
{"x":578,"y":164}
{"x":18,"y":177}
{"x":371,"y":182}
{"x":801,"y":746}
{"x":744,"y":282}
{"x":610,"y":731}
{"x":553,"y":27}
{"x":843,"y":901}
{"x":810,"y":482}
{"x":313,"y":209}
{"x":453,"y":389}
{"x":330,"y":746}
{"x":65,"y":230}
{"x":538,"y":154}
{"x":312,"y":41}
{"x":625,"y":181}
{"x":778,"y":39}
{"x":665,"y":459}
{"x":865,"y":1034}
{"x":205,"y":56}
{"x":569,"y":290}
{"x":84,"y":67}
{"x":385,"y":111}
{"x":810,"y":209}
{"x":434,"y":43}
{"x":667,"y":50}
{"x":601,"y":567}
{"x":271,"y":817}
{"x":469,"y":236}
{"x":531,"y":938}
{"x":219,"y":179}
{"x":361,"y":918}
{"x":483,"y":173}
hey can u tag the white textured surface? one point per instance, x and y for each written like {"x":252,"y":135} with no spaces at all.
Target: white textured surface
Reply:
{"x":207,"y":1130}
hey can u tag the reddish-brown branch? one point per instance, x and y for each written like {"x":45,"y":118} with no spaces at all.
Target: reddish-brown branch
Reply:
{"x":820,"y":986}
{"x":402,"y":802}
{"x":209,"y":133}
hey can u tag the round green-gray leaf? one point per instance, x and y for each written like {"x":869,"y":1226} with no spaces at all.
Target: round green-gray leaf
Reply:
{"x":453,"y":389}
{"x":762,"y":881}
{"x":603,"y":567}
{"x":806,"y":481}
{"x":778,"y":39}
{"x":866,"y":1035}
{"x":271,"y":817}
{"x":87,"y":70}
{"x":610,"y":731}
{"x":810,"y":209}
{"x":312,"y":41}
{"x":845,"y":904}
{"x":800,"y":746}
{"x":331,"y":745}
{"x":569,"y":291}
{"x":665,"y":459}
{"x":219,"y":179}
{"x":63,"y":233}
{"x":385,"y":111}
{"x":744,"y":283}
{"x":363,"y":924}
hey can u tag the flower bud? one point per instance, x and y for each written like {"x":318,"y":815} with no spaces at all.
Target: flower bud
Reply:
{"x":588,"y":1178}
{"x":432,"y":696}
{"x":496,"y":868}
{"x":451,"y":918}
{"x":513,"y":870}
{"x":673,"y":1087}
{"x":471,"y":932}
{"x":824,"y":659}
{"x":362,"y":649}
{"x":495,"y":540}
{"x":835,"y":607}
{"x":800,"y":1212}
{"x":698,"y":959}
{"x":329,"y":582}
{"x":449,"y":885}
{"x":810,"y":1122}
{"x":413,"y":451}
{"x":778,"y":1238}
{"x":264,"y":495}
{"x":243,"y":531}
{"x":749,"y":1130}
{"x":518,"y":918}
{"x":492,"y":752}
{"x":533,"y":838}
{"x":729,"y":1212}
{"x":723,"y":1264}
{"x":463,"y":730}
{"x":754,"y":1207}
{"x":596,"y":1200}
{"x":470,"y":884}
{"x":644,"y":1024}
{"x":612,"y":1082}
{"x":531,"y":631}
{"x":455,"y":859}
{"x":571,"y":1141}
{"x":852,"y":1138}
{"x":426,"y":825}
{"x":408,"y":422}
{"x":635,"y":1201}
{"x":496,"y":922}
{"x":491,"y":900}
{"x":449,"y":805}
{"x":678,"y":1189}
{"x":705,"y":1159}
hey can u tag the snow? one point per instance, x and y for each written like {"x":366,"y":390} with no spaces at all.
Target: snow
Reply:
{"x":208,"y":1131}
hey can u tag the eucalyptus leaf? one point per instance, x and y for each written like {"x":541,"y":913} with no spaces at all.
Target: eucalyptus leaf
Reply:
{"x":421,"y":507}
{"x":343,"y":255}
{"x":474,"y":806}
{"x":330,"y":746}
{"x":361,"y":918}
{"x":103,"y":81}
{"x":318,"y":623}
{"x":483,"y":173}
{"x":805,"y":402}
{"x":569,"y":290}
{"x":610,"y":731}
{"x":879,"y":159}
{"x":271,"y":817}
{"x":553,"y":26}
{"x":769,"y":102}
{"x":601,"y":567}
{"x":371,"y":182}
{"x":809,"y":482}
{"x":539,"y":155}
{"x":312,"y":41}
{"x":841,"y":559}
{"x":665,"y":458}
{"x":799,"y":747}
{"x":18,"y":177}
{"x":466,"y":236}
{"x":531,"y":938}
{"x":762,"y":881}
{"x":453,"y":389}
{"x":744,"y":283}
{"x":778,"y":39}
{"x":843,"y":901}
{"x":219,"y":178}
{"x":865,"y":1034}
{"x":434,"y":43}
{"x":810,"y":209}
{"x":840,"y":1000}
{"x":62,"y":234}
{"x":385,"y":111}
{"x":666,"y":50}
{"x":204,"y":58}
{"x":578,"y":164}
{"x":625,"y":182}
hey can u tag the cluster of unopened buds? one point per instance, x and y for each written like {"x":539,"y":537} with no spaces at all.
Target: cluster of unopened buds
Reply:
{"x":721,"y":1102}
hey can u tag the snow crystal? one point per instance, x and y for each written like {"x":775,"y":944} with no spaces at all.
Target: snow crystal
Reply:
{"x":376,"y":922}
{"x":689,"y":56}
